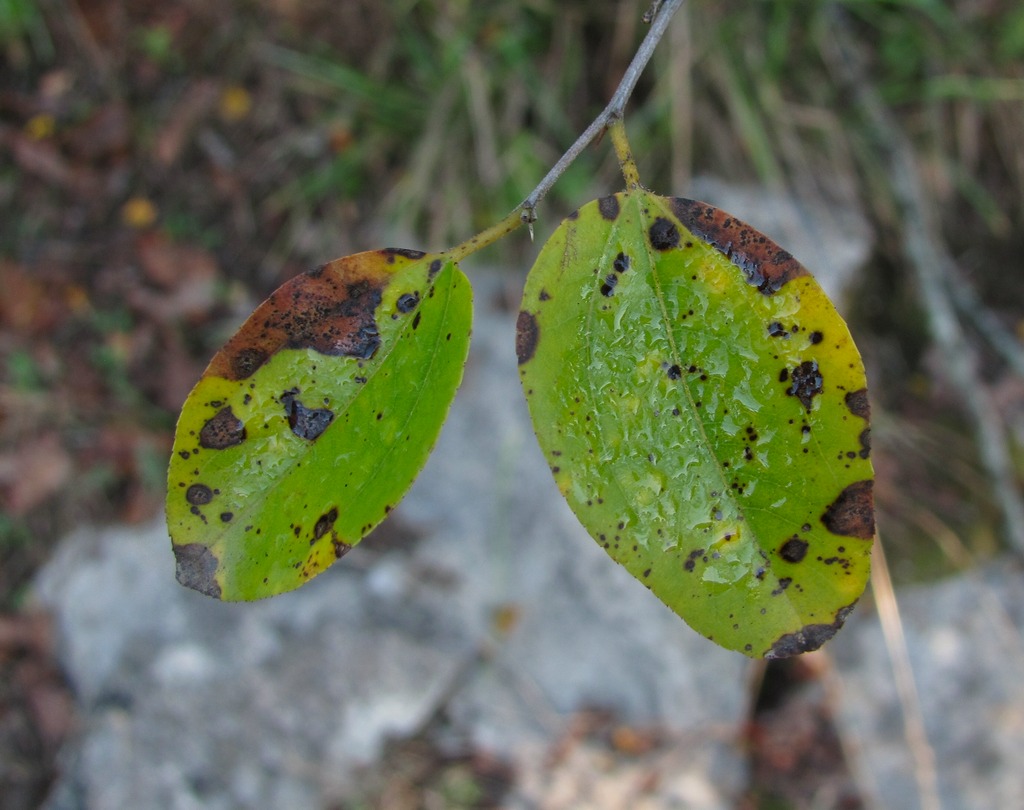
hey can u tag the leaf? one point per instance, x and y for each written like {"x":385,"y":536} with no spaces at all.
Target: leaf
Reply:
{"x":314,"y":419}
{"x":704,"y":411}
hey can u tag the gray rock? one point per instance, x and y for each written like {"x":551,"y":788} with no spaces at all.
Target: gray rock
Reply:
{"x":963,"y":639}
{"x":187,"y":702}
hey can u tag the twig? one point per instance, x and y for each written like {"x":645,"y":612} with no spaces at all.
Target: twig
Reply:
{"x":914,"y":729}
{"x":934,"y":267}
{"x":661,"y":14}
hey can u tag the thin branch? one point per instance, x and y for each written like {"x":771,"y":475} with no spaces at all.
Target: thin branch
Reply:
{"x":661,"y":13}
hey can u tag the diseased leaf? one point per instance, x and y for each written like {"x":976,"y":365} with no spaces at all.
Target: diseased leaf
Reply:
{"x":704,"y":411}
{"x":314,"y":419}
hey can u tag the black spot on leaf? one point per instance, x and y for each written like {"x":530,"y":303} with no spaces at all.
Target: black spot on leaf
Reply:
{"x":621,"y":263}
{"x":663,"y":233}
{"x":793,"y":550}
{"x":196,"y":567}
{"x":527,"y":335}
{"x":407,"y":302}
{"x":306,"y":423}
{"x":806,"y":382}
{"x":222,"y":430}
{"x":674,"y":372}
{"x":608,"y":288}
{"x":776,"y":329}
{"x":199,"y":495}
{"x":324,"y":523}
{"x":609,"y":207}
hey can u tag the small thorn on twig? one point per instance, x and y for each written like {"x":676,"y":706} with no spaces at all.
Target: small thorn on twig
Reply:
{"x":529,"y":227}
{"x":652,"y":12}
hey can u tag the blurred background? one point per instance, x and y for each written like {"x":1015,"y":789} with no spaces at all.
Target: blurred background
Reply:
{"x":165,"y":165}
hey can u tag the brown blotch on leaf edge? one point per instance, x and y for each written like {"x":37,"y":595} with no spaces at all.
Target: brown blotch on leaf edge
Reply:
{"x":764,"y":264}
{"x":222,"y":430}
{"x":196,"y":567}
{"x":609,"y":207}
{"x":808,"y":638}
{"x":865,"y":443}
{"x":407,"y":253}
{"x":858,"y":403}
{"x":527,"y":335}
{"x":340,"y":549}
{"x":852,"y":514}
{"x":330,"y":310}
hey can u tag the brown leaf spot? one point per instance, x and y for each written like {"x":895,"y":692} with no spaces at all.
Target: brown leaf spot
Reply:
{"x":306,"y":423}
{"x":764,"y":264}
{"x":805,"y":382}
{"x":527,"y":335}
{"x":663,"y":234}
{"x":793,"y":550}
{"x":196,"y":567}
{"x":807,"y":638}
{"x":330,"y":310}
{"x":340,"y":549}
{"x":223,"y":430}
{"x":852,"y":514}
{"x":858,"y":403}
{"x":609,"y":207}
{"x":199,"y":495}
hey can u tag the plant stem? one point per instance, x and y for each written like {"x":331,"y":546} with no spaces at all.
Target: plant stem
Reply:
{"x":486,"y":237}
{"x":617,"y":133}
{"x":613,"y":112}
{"x":610,"y":118}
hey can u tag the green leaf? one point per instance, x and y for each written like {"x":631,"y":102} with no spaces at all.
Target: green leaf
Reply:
{"x":314,"y":419}
{"x":704,"y":411}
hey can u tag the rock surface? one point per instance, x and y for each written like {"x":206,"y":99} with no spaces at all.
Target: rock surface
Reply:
{"x":965,"y":647}
{"x":482,"y":597}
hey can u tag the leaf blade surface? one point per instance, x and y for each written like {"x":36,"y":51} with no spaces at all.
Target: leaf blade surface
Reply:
{"x":314,"y":419}
{"x":704,"y":411}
